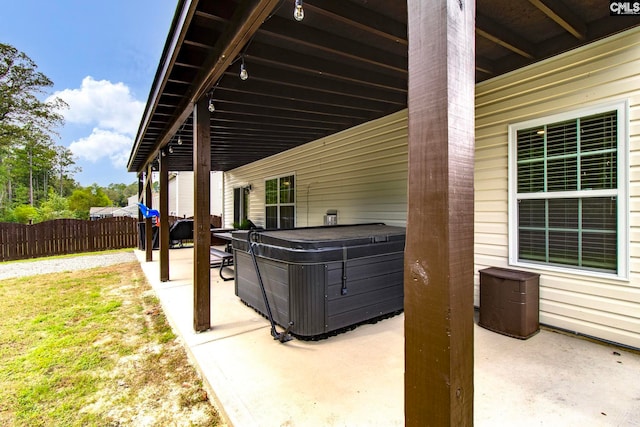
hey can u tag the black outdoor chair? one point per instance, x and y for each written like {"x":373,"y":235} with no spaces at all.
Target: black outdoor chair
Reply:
{"x":180,"y":231}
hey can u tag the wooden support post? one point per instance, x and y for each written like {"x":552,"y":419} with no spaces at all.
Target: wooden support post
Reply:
{"x":201,"y":217}
{"x":140,"y":217}
{"x":163,"y":234}
{"x":148,"y":224}
{"x":438,"y":299}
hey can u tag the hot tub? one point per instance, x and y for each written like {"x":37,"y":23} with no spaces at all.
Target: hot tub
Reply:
{"x":322,"y":279}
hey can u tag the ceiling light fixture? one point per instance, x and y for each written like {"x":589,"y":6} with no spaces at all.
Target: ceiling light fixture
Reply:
{"x":212,"y":107}
{"x":298,"y":12}
{"x":170,"y":149}
{"x":180,"y":133}
{"x":244,"y":75}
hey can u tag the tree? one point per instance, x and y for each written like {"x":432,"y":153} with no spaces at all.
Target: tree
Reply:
{"x":55,"y":207}
{"x":33,"y":162}
{"x":82,"y":199}
{"x":26,"y":128}
{"x":120,"y":193}
{"x":65,"y":168}
{"x":25,"y":214}
{"x":20,"y":85}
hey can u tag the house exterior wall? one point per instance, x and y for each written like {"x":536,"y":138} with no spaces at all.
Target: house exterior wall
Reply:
{"x":603,"y":72}
{"x":175,"y":195}
{"x":362,"y":173}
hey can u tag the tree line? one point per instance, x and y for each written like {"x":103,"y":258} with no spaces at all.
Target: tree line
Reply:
{"x":36,"y":174}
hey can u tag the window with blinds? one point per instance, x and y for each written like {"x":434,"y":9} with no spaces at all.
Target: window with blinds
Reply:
{"x":567,"y":192}
{"x":280,"y":207}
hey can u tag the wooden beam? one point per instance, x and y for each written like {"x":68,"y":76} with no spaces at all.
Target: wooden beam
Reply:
{"x":288,"y":105}
{"x":323,"y":67}
{"x":275,"y":91}
{"x":360,"y":18}
{"x":498,"y":34}
{"x":148,"y":224}
{"x":179,"y":28}
{"x":287,"y":32}
{"x":563,"y":16}
{"x":244,"y":24}
{"x":438,"y":279}
{"x":163,"y":235}
{"x":145,"y":179}
{"x":485,"y":66}
{"x":241,"y":29}
{"x":233,"y":108}
{"x":265,"y":71}
{"x":201,"y":217}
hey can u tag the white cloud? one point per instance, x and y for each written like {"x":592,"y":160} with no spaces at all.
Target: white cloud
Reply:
{"x":102,"y":104}
{"x":112,"y":112}
{"x":103,"y":143}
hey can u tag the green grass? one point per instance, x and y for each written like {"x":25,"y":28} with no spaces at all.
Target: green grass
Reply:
{"x":88,"y":348}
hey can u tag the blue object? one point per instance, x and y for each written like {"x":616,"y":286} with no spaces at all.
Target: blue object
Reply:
{"x":148,"y":213}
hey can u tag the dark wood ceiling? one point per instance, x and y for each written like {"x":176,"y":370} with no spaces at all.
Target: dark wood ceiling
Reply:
{"x":343,"y":65}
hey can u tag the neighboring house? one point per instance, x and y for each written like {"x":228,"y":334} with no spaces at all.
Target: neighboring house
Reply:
{"x":101,"y":212}
{"x":130,"y":210}
{"x":132,"y":201}
{"x":557,"y":183}
{"x":181,"y":194}
{"x":113,"y":211}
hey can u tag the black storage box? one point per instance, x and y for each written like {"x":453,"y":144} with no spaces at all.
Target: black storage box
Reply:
{"x":510,"y":302}
{"x":323,"y":278}
{"x":155,"y":241}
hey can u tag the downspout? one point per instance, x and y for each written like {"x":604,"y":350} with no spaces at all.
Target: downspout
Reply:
{"x":176,"y":175}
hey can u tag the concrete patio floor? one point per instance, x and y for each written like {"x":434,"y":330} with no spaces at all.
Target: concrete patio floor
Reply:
{"x":356,"y":378}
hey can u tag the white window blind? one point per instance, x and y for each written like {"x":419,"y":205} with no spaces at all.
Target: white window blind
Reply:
{"x":566,"y":193}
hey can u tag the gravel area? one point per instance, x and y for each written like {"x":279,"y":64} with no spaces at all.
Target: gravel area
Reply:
{"x":82,"y":262}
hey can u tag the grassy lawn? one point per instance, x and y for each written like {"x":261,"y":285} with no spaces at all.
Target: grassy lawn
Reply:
{"x":93,"y":347}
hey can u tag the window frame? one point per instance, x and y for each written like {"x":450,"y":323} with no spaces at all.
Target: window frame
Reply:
{"x":240,"y":204}
{"x":279,"y":204}
{"x":621,"y":193}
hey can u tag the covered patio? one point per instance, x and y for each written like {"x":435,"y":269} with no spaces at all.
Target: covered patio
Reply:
{"x":356,"y":378}
{"x":345,"y":64}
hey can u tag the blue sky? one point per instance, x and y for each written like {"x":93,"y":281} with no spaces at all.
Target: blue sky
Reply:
{"x":102,"y":57}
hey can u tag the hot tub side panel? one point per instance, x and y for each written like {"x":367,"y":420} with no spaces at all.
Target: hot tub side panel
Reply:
{"x":275,"y":277}
{"x":308,"y":302}
{"x":374,"y":287}
{"x":296,"y":292}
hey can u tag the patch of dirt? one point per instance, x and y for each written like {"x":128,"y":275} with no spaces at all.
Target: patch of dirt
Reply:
{"x":153,"y":382}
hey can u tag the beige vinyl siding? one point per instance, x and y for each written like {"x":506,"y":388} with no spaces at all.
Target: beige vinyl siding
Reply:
{"x":181,"y":194}
{"x":603,"y":72}
{"x":360,"y":172}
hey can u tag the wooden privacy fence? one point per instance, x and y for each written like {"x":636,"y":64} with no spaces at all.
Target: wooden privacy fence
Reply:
{"x":66,"y":236}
